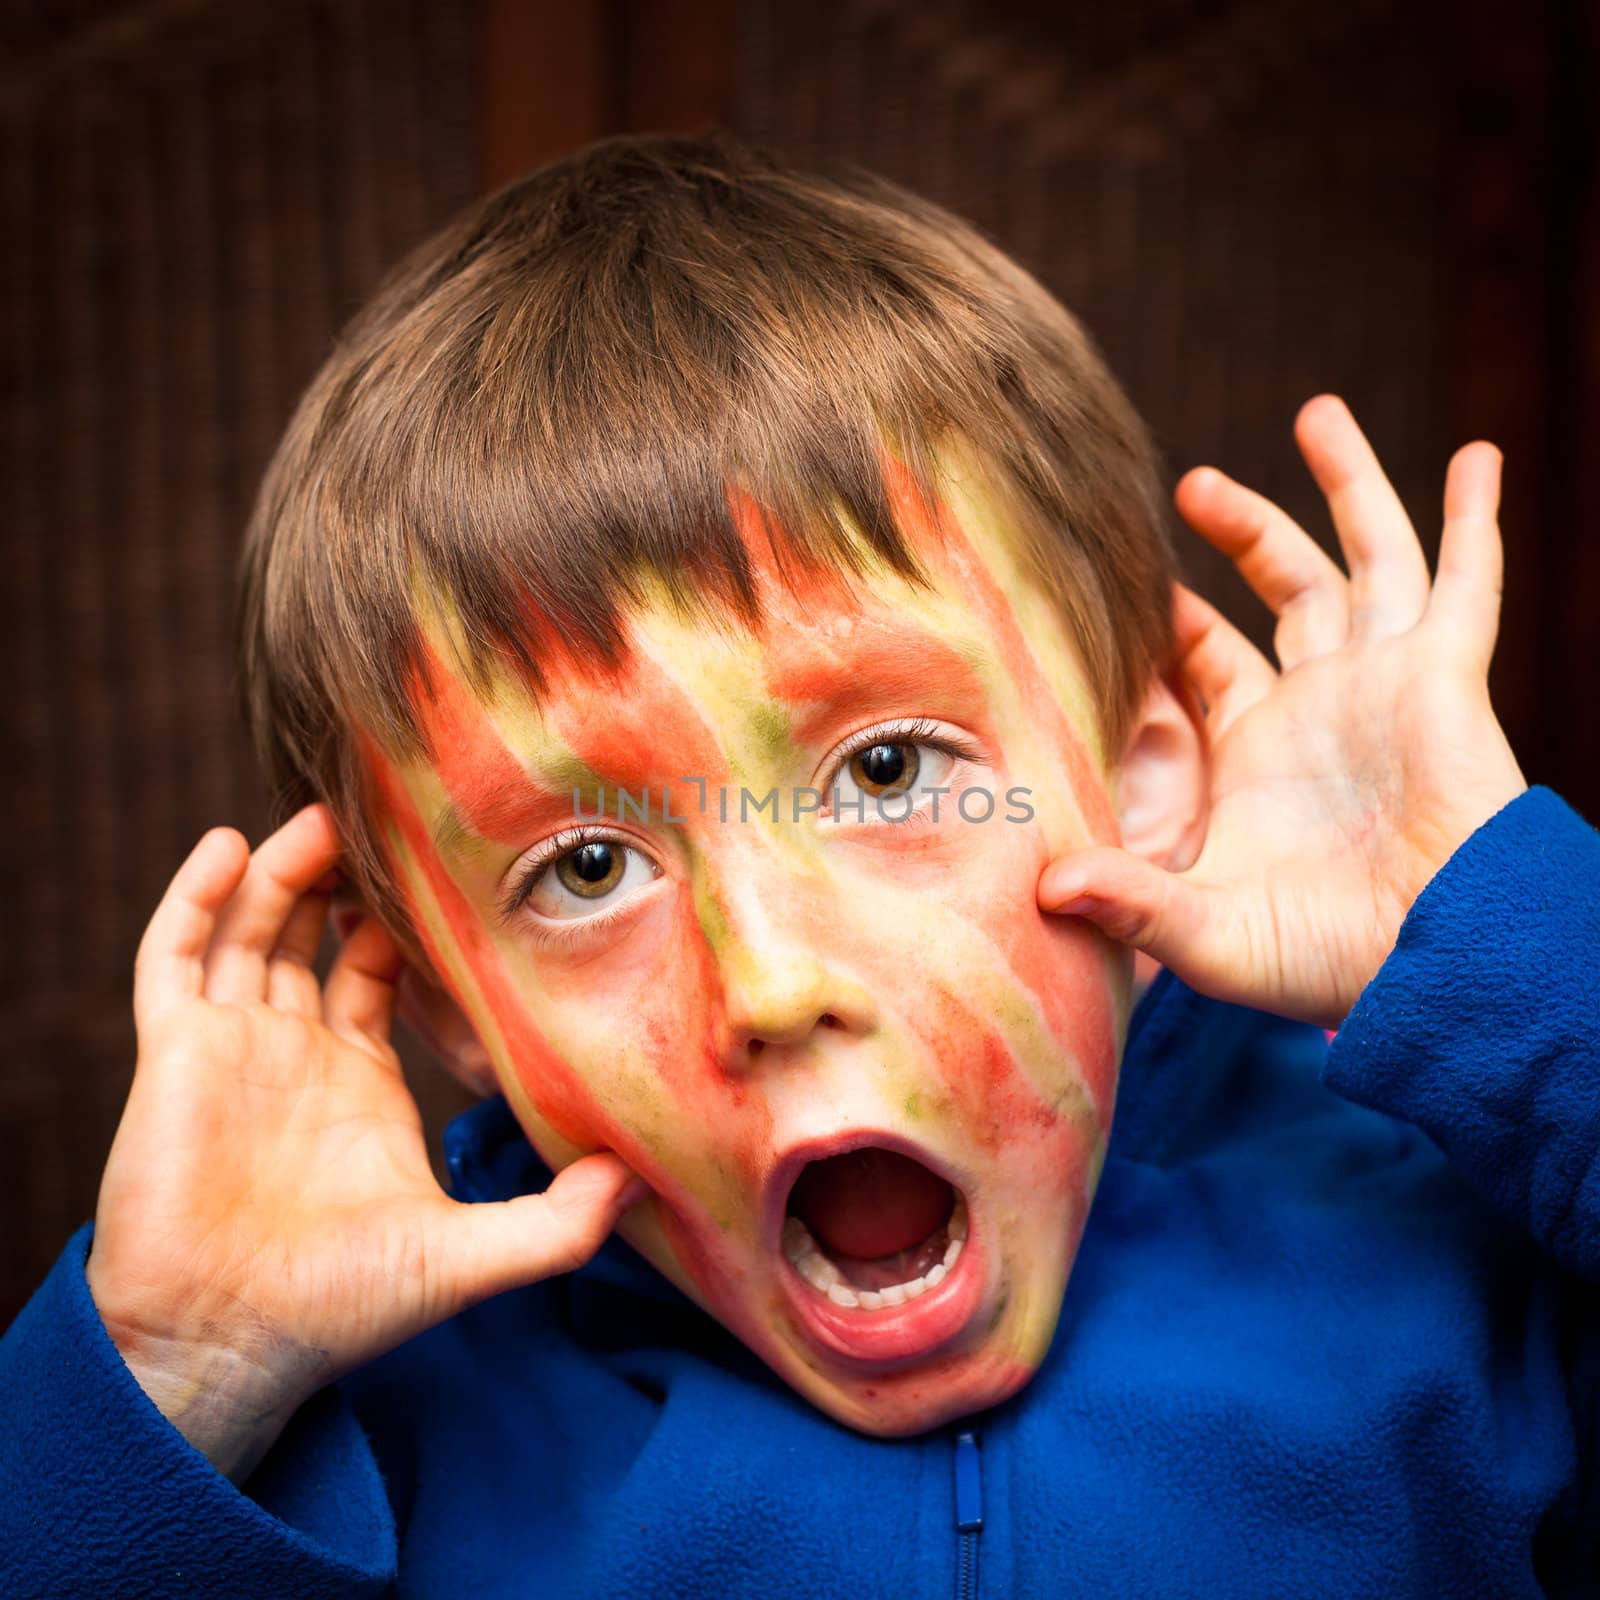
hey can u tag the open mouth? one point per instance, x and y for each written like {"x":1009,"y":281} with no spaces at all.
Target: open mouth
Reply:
{"x":880,"y":1255}
{"x":873,"y":1228}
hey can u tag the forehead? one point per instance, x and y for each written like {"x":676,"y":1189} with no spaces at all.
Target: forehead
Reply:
{"x":724,"y":702}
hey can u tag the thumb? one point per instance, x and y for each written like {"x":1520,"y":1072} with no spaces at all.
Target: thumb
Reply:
{"x":1130,"y":900}
{"x":508,"y":1244}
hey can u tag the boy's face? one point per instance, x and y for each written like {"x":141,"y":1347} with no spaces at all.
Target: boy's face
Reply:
{"x":868,"y":1082}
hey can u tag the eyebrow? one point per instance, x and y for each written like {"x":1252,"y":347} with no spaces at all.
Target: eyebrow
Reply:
{"x":920,"y":667}
{"x":508,"y":801}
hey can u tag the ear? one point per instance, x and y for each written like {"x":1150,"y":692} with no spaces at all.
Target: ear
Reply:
{"x":432,"y":1014}
{"x":1162,"y":784}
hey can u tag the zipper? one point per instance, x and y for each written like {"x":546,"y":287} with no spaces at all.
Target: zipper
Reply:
{"x":969,"y":1513}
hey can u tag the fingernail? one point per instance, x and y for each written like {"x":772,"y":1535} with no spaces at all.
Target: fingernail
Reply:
{"x":633,"y":1192}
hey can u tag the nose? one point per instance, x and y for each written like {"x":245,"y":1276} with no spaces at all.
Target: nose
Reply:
{"x":773,"y":996}
{"x":782,"y":978}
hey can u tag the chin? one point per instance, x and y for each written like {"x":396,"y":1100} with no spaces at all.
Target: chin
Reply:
{"x":966,"y":1356}
{"x":917,"y":1403}
{"x":892,"y":1290}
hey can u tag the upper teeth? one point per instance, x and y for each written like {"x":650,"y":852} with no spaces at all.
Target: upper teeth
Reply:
{"x":824,"y":1277}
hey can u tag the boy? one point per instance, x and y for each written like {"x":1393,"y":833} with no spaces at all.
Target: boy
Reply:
{"x":720,"y":622}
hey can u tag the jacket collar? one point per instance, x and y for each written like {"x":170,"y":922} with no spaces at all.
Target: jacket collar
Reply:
{"x":489,"y":1158}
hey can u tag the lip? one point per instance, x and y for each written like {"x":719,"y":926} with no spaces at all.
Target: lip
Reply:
{"x":892,"y":1336}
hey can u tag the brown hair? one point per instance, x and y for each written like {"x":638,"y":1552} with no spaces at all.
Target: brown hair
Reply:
{"x":550,"y":396}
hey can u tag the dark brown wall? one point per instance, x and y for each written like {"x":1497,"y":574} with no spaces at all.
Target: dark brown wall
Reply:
{"x":194,"y":195}
{"x":1247,"y":203}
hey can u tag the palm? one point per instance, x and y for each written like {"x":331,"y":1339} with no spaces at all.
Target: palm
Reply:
{"x":287,"y":1124}
{"x":270,"y":1178}
{"x":1341,"y":783}
{"x":1298,"y":780}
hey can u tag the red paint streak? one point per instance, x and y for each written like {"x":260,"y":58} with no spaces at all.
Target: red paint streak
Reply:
{"x":780,"y":572}
{"x":622,"y":728}
{"x":884,"y":665}
{"x":721,"y":1117}
{"x":1059,"y":967}
{"x":679,"y":1012}
{"x":984,"y":874}
{"x":486,"y":783}
{"x":560,"y":1096}
{"x":997,"y":1102}
{"x":947,"y":550}
{"x":640,"y":728}
{"x":996,"y":1099}
{"x":886,"y":660}
{"x":948,"y":554}
{"x":644,"y":731}
{"x":878,"y":659}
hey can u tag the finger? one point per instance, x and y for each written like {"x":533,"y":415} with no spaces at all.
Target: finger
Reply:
{"x":504,"y":1245}
{"x":292,"y":983}
{"x":1300,"y":584}
{"x":358,"y":1001}
{"x":1388,"y":571}
{"x":1130,"y":900}
{"x":1228,"y":673}
{"x":170,"y":965}
{"x":282,"y":869}
{"x":1468,"y":587}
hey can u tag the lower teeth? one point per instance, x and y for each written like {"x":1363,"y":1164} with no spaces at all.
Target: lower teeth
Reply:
{"x":825,"y":1278}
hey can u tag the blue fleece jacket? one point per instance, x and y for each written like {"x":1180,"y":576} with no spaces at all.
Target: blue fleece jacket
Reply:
{"x":1334,"y":1330}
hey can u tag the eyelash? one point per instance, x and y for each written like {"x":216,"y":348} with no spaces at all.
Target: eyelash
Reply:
{"x":545,"y":856}
{"x":917,"y":730}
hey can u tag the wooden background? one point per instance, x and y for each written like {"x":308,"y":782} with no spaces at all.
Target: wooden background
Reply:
{"x":1248,"y":201}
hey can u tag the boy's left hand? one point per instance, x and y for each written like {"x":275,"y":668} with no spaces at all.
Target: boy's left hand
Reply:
{"x":1341,"y":784}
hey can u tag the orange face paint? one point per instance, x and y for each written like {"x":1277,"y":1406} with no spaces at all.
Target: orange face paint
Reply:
{"x":766,"y":993}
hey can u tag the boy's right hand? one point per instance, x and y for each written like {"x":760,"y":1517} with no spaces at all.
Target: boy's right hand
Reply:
{"x":268,"y":1219}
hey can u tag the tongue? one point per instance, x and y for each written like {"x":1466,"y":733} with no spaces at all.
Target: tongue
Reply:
{"x":870,"y":1203}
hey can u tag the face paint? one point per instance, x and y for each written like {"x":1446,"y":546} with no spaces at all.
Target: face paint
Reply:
{"x":868,"y":1082}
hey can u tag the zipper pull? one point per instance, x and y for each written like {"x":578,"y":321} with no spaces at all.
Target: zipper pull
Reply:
{"x":969,"y":1484}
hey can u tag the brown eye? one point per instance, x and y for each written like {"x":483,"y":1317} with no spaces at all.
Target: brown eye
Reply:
{"x":883,"y":769}
{"x":588,"y":879}
{"x":592,"y":869}
{"x":897,"y":773}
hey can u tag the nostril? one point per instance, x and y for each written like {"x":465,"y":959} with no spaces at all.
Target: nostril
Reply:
{"x":753,"y":1040}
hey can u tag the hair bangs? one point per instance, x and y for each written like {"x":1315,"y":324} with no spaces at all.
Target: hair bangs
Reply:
{"x":643,"y":371}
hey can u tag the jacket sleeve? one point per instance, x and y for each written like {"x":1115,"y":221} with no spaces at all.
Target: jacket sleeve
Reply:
{"x":101,"y":1495}
{"x":1482,"y":1027}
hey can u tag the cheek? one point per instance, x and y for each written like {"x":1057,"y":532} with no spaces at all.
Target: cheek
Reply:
{"x":1061,"y":968}
{"x":458,"y":945}
{"x":637,"y":1027}
{"x":1016,"y":1010}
